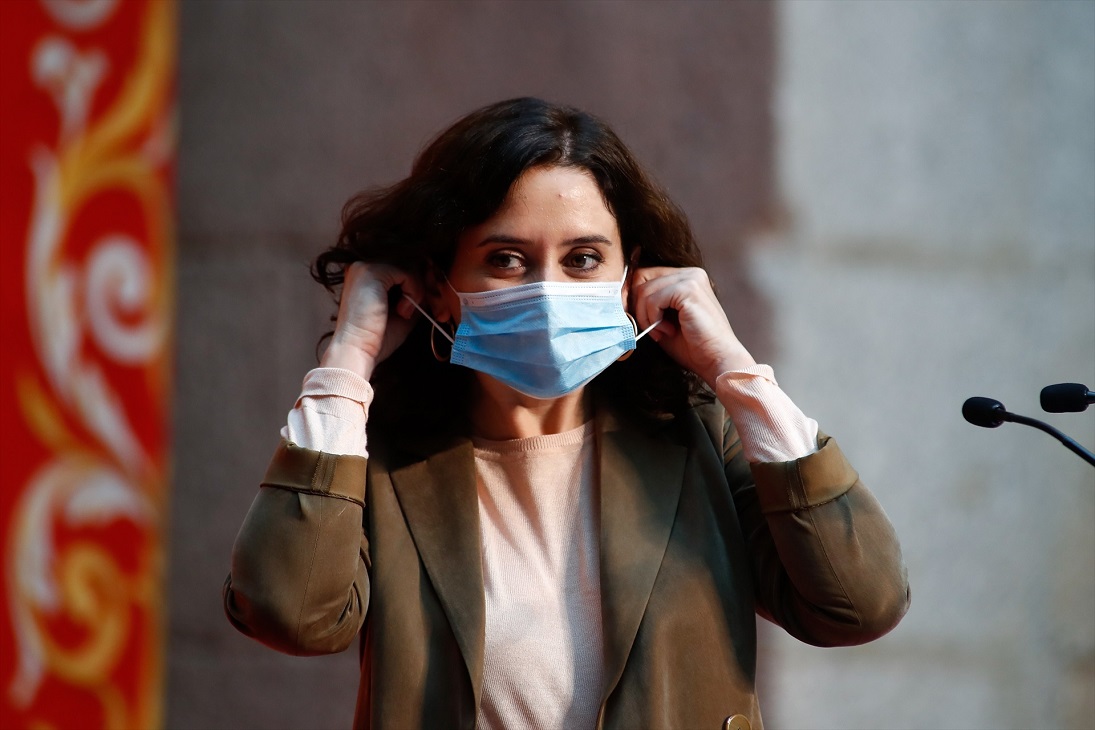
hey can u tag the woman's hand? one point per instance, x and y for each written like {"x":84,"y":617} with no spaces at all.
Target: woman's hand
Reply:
{"x":698,"y":337}
{"x":366,"y":331}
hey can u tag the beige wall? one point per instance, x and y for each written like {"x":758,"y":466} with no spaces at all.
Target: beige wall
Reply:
{"x":286,"y":109}
{"x":937,"y":162}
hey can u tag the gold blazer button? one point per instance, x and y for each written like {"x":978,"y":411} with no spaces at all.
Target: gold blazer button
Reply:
{"x":737,"y":722}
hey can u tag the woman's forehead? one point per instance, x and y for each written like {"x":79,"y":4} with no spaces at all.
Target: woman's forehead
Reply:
{"x":555,"y":195}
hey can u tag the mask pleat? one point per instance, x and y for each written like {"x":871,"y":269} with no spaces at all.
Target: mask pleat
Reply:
{"x":543,"y":339}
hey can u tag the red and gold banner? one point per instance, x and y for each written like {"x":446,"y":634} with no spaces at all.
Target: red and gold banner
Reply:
{"x":86,"y":157}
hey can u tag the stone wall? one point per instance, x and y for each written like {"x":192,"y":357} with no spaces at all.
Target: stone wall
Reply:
{"x":937,"y":165}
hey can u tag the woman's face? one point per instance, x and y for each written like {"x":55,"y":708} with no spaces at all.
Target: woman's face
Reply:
{"x":553,"y":226}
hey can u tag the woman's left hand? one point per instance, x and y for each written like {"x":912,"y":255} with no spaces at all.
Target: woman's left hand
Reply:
{"x":699,"y":337}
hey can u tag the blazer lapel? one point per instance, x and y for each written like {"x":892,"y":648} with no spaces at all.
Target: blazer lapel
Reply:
{"x":439,"y":499}
{"x":640,"y":481}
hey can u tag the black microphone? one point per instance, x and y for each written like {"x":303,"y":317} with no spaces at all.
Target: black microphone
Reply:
{"x":983,"y":412}
{"x":1066,"y":398}
{"x":989,"y":413}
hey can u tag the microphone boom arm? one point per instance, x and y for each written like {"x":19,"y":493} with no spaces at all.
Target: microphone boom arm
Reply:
{"x":1068,"y":442}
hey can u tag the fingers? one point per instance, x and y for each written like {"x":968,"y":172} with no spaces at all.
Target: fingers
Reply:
{"x":658,"y":289}
{"x":695,"y":331}
{"x":382,"y":278}
{"x":373,"y":320}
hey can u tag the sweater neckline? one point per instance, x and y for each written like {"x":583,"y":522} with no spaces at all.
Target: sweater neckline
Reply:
{"x":575,"y":437}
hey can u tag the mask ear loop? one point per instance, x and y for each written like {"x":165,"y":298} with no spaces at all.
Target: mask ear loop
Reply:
{"x":436,"y":328}
{"x":646,"y":331}
{"x":433,"y":321}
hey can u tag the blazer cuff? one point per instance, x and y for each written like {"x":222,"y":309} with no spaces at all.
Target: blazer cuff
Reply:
{"x":787,"y":486}
{"x":317,"y":472}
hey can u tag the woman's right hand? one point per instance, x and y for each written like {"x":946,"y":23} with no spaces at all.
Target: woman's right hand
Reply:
{"x":366,"y":332}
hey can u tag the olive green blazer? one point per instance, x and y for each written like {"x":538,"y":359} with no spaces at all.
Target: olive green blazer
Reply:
{"x":694,"y":542}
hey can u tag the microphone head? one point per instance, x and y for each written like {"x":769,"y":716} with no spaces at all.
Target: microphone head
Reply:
{"x":983,"y":412}
{"x":1065,"y":398}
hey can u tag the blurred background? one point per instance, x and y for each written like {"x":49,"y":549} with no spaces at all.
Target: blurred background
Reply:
{"x":896,"y":200}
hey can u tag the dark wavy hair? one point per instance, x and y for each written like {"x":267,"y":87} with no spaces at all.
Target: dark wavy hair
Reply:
{"x":458,"y":181}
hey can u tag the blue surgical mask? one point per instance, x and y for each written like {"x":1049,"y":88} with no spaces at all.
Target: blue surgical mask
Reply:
{"x":544,"y":339}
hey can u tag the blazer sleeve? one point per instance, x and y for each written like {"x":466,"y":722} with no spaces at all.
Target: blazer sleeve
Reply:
{"x":827,"y":564}
{"x":299,"y":579}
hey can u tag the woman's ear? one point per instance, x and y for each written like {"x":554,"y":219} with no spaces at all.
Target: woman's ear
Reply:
{"x":632,"y":265}
{"x":442,"y":299}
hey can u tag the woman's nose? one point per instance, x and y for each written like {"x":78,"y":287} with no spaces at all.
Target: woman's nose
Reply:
{"x":544,"y":271}
{"x":552,"y":271}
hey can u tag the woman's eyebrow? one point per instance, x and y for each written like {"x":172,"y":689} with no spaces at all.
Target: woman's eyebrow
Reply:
{"x":594,"y":238}
{"x":503,"y":238}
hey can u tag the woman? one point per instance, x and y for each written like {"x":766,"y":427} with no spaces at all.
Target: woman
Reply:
{"x":558,"y":521}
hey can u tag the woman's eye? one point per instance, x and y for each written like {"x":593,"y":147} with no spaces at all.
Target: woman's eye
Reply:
{"x":585,"y":260}
{"x":504,"y":260}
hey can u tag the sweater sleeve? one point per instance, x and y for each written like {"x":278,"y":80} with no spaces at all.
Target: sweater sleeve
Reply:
{"x":770,"y":425}
{"x":331,"y":413}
